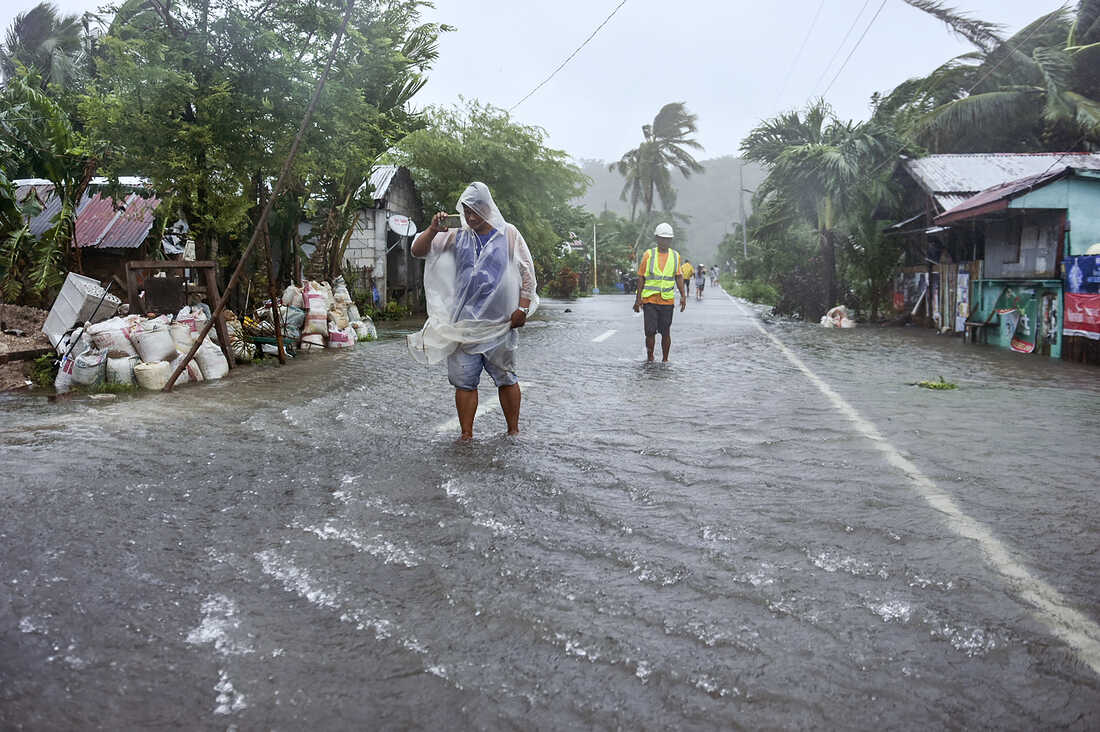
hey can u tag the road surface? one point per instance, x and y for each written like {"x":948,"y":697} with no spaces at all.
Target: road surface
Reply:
{"x":775,"y":530}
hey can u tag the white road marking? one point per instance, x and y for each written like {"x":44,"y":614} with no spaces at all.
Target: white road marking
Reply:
{"x":604,"y":336}
{"x":1078,"y":630}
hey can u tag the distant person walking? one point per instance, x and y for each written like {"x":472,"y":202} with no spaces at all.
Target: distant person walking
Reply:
{"x":700,"y":281}
{"x":659,"y":276}
{"x":479,"y":281}
{"x":687,"y":271}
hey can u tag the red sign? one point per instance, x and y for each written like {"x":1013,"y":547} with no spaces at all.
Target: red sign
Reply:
{"x":1082,"y":315}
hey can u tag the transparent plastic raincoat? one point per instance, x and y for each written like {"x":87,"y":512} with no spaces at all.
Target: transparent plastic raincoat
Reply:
{"x":472,"y":289}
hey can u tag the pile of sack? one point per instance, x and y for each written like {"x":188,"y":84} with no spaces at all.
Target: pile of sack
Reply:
{"x":134,"y":349}
{"x":837,"y":318}
{"x":319,"y":315}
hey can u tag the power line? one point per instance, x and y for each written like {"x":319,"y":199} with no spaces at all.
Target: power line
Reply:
{"x":852,"y":52}
{"x":570,"y":57}
{"x":839,"y":48}
{"x":798,"y":56}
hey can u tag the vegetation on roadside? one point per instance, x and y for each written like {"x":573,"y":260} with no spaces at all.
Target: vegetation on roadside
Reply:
{"x":940,"y":385}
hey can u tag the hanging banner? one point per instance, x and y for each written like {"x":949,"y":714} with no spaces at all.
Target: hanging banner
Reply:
{"x":1082,"y":297}
{"x":1010,"y":318}
{"x":962,"y":301}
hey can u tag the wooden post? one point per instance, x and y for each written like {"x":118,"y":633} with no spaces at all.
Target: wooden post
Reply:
{"x":283,"y":174}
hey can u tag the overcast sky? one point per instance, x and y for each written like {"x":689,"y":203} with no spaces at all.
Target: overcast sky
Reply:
{"x":731,"y":61}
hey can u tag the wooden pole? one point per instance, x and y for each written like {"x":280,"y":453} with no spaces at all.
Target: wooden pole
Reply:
{"x":283,"y":174}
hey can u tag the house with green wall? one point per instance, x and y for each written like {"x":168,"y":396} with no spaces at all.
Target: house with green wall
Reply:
{"x":1026,"y":228}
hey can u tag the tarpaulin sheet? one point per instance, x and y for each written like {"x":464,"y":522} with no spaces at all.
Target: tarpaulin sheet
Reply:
{"x":1082,"y":297}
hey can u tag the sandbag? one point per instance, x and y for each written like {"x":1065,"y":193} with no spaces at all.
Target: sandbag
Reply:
{"x":153,"y":341}
{"x":121,"y":370}
{"x":316,"y":321}
{"x":292,"y":296}
{"x":182,"y":335}
{"x":74,"y":343}
{"x":113,"y":336}
{"x":338,"y":316}
{"x":212,"y":362}
{"x":192,"y":373}
{"x":340,"y":292}
{"x":312,"y":342}
{"x":294,"y":317}
{"x":341,"y":338}
{"x":153,"y":375}
{"x":90,"y":368}
{"x":64,"y":379}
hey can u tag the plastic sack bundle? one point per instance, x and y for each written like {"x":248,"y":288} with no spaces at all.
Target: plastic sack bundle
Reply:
{"x":293,"y":297}
{"x":90,"y":368}
{"x":340,"y":292}
{"x":153,"y":376}
{"x":113,"y":336}
{"x":153,"y":341}
{"x":472,"y":290}
{"x":211,"y":361}
{"x":191,"y":373}
{"x":121,"y":370}
{"x":316,"y":322}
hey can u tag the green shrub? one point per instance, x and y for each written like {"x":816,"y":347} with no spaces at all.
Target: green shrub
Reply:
{"x":756,"y":291}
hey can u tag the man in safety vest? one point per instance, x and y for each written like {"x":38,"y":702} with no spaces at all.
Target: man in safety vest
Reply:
{"x":659,"y":276}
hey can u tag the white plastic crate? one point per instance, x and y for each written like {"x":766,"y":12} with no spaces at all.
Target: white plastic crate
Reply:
{"x":77,"y":302}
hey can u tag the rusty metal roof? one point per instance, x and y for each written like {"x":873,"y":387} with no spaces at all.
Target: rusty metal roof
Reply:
{"x":951,"y":179}
{"x":98,"y":223}
{"x":997,"y":197}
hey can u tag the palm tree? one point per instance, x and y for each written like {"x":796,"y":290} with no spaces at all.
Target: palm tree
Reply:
{"x":1037,"y":90}
{"x":647,"y":169}
{"x":821,"y":169}
{"x":48,"y":44}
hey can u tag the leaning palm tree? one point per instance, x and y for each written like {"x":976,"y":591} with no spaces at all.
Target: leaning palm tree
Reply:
{"x":1037,"y":90}
{"x":647,"y":169}
{"x":46,"y":43}
{"x":821,"y":169}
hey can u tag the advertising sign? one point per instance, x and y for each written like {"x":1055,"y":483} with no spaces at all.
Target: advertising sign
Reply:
{"x":1082,"y":316}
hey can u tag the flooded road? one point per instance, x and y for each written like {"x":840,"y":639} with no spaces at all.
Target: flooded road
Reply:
{"x":740,"y":539}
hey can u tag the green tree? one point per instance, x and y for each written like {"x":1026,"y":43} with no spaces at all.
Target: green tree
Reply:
{"x":1037,"y":90}
{"x":531,"y":183}
{"x":647,"y":169}
{"x":820,"y":169}
{"x":50,"y":46}
{"x":205,"y":97}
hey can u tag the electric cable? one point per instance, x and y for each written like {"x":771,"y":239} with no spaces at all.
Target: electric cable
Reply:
{"x":798,"y":56}
{"x":839,"y":48}
{"x":852,"y":52}
{"x":570,"y":57}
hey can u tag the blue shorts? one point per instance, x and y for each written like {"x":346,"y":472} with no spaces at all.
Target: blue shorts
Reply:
{"x":464,"y":369}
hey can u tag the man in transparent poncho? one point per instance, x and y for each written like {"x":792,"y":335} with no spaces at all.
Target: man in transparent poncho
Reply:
{"x":479,"y":280}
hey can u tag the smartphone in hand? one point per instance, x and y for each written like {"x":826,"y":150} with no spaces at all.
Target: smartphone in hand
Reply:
{"x":452,"y":221}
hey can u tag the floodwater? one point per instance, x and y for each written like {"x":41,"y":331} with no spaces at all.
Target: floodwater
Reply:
{"x":707,"y":544}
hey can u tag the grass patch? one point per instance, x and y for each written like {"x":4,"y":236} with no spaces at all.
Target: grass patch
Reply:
{"x":940,"y":385}
{"x":756,"y":291}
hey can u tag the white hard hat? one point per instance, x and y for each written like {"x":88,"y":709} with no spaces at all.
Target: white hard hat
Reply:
{"x":664,"y":231}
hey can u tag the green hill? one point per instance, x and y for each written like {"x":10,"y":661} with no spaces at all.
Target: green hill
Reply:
{"x":709,"y":198}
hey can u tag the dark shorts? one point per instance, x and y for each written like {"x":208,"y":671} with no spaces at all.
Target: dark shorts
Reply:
{"x":658,"y":318}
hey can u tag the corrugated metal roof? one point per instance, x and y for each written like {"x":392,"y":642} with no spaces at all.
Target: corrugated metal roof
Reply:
{"x":98,"y":223}
{"x":380,"y":180}
{"x":951,"y":179}
{"x":997,"y":197}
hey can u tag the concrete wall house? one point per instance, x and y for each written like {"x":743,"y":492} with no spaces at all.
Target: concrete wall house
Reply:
{"x":378,"y":249}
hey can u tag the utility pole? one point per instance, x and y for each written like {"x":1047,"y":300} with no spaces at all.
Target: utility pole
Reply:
{"x":741,"y":207}
{"x":595,"y":279}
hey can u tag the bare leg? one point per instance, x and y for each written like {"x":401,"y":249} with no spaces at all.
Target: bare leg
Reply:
{"x":510,"y":398}
{"x":650,"y":341}
{"x":466,"y":404}
{"x":666,"y":345}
